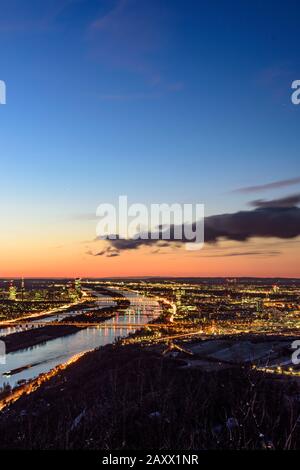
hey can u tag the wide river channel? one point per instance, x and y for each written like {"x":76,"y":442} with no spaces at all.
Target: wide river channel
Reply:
{"x":44,"y":356}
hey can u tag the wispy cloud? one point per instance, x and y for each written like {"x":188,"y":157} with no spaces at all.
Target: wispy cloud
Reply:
{"x":244,"y":253}
{"x":129,"y":96}
{"x":23,"y":19}
{"x":133,"y":36}
{"x":276,"y":79}
{"x":267,"y":186}
{"x":108,"y":251}
{"x":146,"y":95}
{"x":127,"y":33}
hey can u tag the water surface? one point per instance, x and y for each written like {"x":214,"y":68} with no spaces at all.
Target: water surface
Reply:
{"x":43,"y":357}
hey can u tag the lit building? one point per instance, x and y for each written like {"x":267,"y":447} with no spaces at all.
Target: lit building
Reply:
{"x":12,"y":291}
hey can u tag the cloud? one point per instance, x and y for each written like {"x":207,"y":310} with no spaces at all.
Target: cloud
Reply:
{"x":109,"y":252}
{"x":245,"y":253}
{"x":128,"y":33}
{"x":275,"y":79}
{"x":263,"y":222}
{"x":289,"y":201}
{"x":265,"y":187}
{"x":129,"y":96}
{"x":135,"y":36}
{"x":144,"y":95}
{"x":22,"y":19}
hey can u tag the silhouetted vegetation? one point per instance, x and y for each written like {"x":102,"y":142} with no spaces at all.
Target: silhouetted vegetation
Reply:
{"x":133,"y":398}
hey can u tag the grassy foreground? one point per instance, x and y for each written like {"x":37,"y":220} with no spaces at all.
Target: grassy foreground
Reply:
{"x":129,"y":397}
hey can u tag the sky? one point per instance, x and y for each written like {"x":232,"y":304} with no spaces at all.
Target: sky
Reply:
{"x":165,"y":101}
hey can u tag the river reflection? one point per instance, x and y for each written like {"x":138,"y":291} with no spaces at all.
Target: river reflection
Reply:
{"x":43,"y":357}
{"x":35,"y":323}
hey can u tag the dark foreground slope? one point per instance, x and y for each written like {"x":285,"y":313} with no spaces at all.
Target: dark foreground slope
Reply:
{"x":132,"y":398}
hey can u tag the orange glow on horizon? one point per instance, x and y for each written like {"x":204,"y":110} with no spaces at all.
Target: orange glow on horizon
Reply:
{"x":257,"y":258}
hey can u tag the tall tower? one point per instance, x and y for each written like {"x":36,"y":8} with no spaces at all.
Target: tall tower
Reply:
{"x":22,"y":289}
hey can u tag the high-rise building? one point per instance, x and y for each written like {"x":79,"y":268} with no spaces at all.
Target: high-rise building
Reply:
{"x":78,"y":286}
{"x":12,"y":291}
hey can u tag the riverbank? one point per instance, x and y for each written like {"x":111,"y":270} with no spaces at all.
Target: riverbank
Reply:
{"x":103,"y":313}
{"x":30,"y":338}
{"x":51,"y":312}
{"x":41,"y":334}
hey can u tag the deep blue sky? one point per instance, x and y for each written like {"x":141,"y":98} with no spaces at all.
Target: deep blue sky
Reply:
{"x":162,"y":100}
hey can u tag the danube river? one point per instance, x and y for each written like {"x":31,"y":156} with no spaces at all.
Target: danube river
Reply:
{"x":27,"y":364}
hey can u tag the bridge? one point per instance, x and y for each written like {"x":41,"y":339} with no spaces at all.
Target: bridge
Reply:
{"x":93,"y":324}
{"x":102,"y":325}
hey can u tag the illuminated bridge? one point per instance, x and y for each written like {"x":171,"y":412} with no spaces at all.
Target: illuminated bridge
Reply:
{"x":102,"y":325}
{"x":91,"y":324}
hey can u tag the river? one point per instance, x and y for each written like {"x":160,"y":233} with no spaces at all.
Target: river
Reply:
{"x":44,"y":356}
